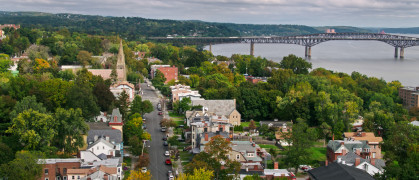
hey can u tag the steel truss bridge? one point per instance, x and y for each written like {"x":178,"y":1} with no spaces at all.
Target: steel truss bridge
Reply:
{"x":397,"y":41}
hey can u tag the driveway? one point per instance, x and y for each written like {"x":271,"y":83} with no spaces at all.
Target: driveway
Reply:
{"x":157,"y":165}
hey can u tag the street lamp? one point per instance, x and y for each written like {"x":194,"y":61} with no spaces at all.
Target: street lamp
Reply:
{"x":142,"y":151}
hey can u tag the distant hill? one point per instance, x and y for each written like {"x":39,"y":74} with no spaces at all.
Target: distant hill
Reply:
{"x":412,"y":30}
{"x":134,"y":28}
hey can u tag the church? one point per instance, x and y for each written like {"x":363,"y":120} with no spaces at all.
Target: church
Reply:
{"x":121,"y":84}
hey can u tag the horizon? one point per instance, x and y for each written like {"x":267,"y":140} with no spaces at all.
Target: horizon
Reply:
{"x":315,"y":13}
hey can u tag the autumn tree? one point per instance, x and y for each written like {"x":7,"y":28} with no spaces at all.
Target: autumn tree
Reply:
{"x":252,"y":125}
{"x":36,"y":130}
{"x":138,"y":175}
{"x":197,"y":174}
{"x":84,"y":58}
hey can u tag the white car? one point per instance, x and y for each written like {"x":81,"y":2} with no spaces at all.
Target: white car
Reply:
{"x":167,"y":153}
{"x":143,"y":169}
{"x":170,"y":175}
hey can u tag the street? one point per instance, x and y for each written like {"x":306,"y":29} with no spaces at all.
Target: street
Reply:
{"x":157,"y":165}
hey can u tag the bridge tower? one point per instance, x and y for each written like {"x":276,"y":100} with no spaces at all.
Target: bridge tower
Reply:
{"x":308,"y":51}
{"x":252,"y":48}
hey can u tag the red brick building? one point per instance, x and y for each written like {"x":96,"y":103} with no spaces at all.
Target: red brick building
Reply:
{"x":170,"y":73}
{"x":410,"y":96}
{"x":337,"y":148}
{"x":55,"y":169}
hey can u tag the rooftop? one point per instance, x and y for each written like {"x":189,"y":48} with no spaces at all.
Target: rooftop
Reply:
{"x":54,"y":161}
{"x":219,"y":107}
{"x":339,"y":171}
{"x":366,"y":136}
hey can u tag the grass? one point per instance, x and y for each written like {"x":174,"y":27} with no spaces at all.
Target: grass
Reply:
{"x":172,"y":114}
{"x":318,"y":153}
{"x":268,"y":146}
{"x":246,"y":124}
{"x":177,"y":119}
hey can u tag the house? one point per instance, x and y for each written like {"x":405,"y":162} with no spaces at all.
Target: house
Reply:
{"x":338,"y":171}
{"x":116,"y":121}
{"x":372,"y":140}
{"x":206,"y":126}
{"x":246,"y":152}
{"x":153,"y":69}
{"x":102,"y":117}
{"x":277,"y":173}
{"x":255,"y":80}
{"x":357,"y":124}
{"x":415,"y":123}
{"x":119,"y":87}
{"x":57,"y":168}
{"x":410,"y":96}
{"x":225,"y":108}
{"x":337,"y":148}
{"x":73,"y":174}
{"x":105,"y":141}
{"x":180,"y":91}
{"x":170,"y":73}
{"x":371,"y":166}
{"x":91,"y":161}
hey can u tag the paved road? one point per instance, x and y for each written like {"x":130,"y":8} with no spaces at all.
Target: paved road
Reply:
{"x":156,"y":150}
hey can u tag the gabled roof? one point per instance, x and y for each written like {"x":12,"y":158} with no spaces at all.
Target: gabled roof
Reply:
{"x":336,"y":144}
{"x":115,"y":112}
{"x":101,"y":140}
{"x":108,"y":170}
{"x":219,"y":107}
{"x":350,"y":158}
{"x":113,"y":134}
{"x":338,"y":171}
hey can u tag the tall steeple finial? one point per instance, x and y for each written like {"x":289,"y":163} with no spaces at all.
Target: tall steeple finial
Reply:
{"x":121,"y":63}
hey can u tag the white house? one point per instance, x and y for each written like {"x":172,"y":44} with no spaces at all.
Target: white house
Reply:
{"x":102,"y":146}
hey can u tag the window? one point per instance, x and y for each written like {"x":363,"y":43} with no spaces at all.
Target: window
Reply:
{"x":65,"y":178}
{"x":249,"y":154}
{"x":64,"y":170}
{"x":373,"y":155}
{"x":78,"y":177}
{"x":72,"y":177}
{"x":46,"y":171}
{"x":237,"y":156}
{"x":103,"y":147}
{"x":366,"y":167}
{"x":46,"y":178}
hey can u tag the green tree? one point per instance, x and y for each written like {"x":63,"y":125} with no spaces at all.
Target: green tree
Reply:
{"x":301,"y":139}
{"x":52,"y":93}
{"x":38,"y":52}
{"x":27,"y":103}
{"x":36,"y":130}
{"x":6,"y":107}
{"x":105,"y":98}
{"x":140,"y":106}
{"x":84,"y":58}
{"x":25,"y":166}
{"x":5,"y":63}
{"x":296,"y":64}
{"x":122,"y":102}
{"x":80,"y":95}
{"x":71,"y":128}
{"x":6,"y":153}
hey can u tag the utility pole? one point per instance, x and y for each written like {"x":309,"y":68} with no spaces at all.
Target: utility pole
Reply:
{"x":142,"y":151}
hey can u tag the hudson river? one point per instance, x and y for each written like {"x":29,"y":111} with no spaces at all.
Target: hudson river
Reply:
{"x":372,"y":58}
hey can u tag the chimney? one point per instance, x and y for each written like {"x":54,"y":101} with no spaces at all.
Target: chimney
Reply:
{"x":96,"y":137}
{"x":206,"y":136}
{"x":343,"y":162}
{"x":275,"y":165}
{"x":363,"y":134}
{"x":107,"y":138}
{"x":250,"y":139}
{"x":358,"y":152}
{"x":203,"y":110}
{"x":342,"y":143}
{"x":357,"y":161}
{"x":373,"y":161}
{"x":326,"y":163}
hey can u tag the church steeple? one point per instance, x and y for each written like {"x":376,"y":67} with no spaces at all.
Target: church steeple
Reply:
{"x":121,"y":63}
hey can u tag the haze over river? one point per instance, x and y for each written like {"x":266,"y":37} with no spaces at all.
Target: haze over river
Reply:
{"x":373,"y":58}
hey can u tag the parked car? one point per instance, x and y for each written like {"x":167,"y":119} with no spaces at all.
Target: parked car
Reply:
{"x":144,"y":169}
{"x":164,"y":138}
{"x":160,"y":113}
{"x":166,"y":153}
{"x":305,"y":168}
{"x":165,"y":143}
{"x":163,"y":129}
{"x":170,"y":175}
{"x":168,"y":162}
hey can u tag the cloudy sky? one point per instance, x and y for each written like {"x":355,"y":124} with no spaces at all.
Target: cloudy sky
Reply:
{"x":361,"y":13}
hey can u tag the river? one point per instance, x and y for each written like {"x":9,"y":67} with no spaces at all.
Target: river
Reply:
{"x":372,"y":58}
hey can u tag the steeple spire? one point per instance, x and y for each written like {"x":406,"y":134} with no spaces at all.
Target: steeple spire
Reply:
{"x":121,"y":63}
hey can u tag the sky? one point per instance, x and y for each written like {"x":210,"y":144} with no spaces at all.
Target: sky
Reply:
{"x":360,"y":13}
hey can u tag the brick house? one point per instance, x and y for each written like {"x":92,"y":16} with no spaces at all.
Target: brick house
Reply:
{"x":56,"y":169}
{"x":337,"y":148}
{"x":225,"y":108}
{"x":170,"y":73}
{"x":410,"y":96}
{"x":372,"y":140}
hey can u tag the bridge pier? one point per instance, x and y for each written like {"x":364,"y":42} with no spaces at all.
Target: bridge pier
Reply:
{"x":396,"y":52}
{"x":210,"y":47}
{"x":308,"y":51}
{"x":401,"y":52}
{"x":252,"y":48}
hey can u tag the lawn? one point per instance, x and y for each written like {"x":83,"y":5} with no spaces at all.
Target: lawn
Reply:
{"x":174,"y":115}
{"x":318,"y":153}
{"x":268,"y":146}
{"x":246,"y":124}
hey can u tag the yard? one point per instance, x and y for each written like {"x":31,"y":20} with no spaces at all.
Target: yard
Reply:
{"x":185,"y":157}
{"x":246,"y":124}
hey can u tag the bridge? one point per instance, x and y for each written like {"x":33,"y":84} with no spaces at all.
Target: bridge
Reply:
{"x":397,"y":41}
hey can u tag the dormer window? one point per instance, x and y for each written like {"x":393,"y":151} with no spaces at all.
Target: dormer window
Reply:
{"x":250,"y":154}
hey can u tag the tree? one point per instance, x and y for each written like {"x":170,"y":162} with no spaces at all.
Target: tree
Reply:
{"x":80,"y":95}
{"x":41,"y":66}
{"x":6,"y":106}
{"x":84,"y":58}
{"x":71,"y":128}
{"x":6,"y":153}
{"x":36,"y":130}
{"x":38,"y":51}
{"x":296,"y":64}
{"x":302,"y":138}
{"x":27,"y":103}
{"x":252,"y":125}
{"x":105,"y":98}
{"x":158,"y":79}
{"x":138,"y":175}
{"x":139,"y":106}
{"x":198,"y":174}
{"x":326,"y":130}
{"x":25,"y":166}
{"x":143,"y":160}
{"x":114,"y":75}
{"x":52,"y":93}
{"x":122,"y":102}
{"x":253,"y":177}
{"x":5,"y":63}
{"x":136,"y":145}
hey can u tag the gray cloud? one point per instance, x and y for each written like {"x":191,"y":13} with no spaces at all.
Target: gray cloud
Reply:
{"x":371,"y":13}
